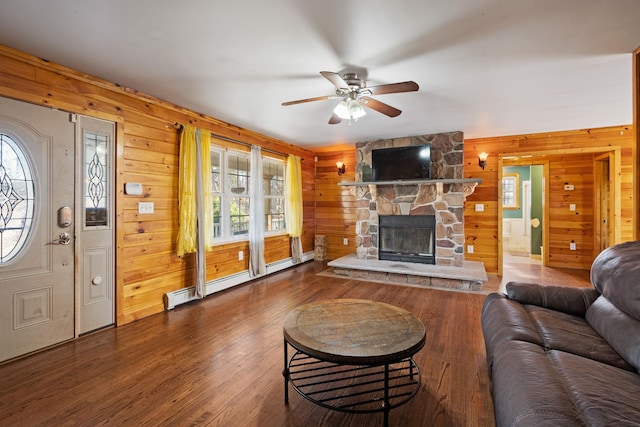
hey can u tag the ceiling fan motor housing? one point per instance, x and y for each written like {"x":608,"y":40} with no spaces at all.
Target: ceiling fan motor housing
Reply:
{"x":353,"y":81}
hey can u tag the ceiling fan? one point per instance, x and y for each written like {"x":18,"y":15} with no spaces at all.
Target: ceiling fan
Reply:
{"x":355,"y":95}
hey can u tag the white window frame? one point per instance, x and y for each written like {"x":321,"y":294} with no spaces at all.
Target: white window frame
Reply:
{"x":225,"y":194}
{"x":282,"y":165}
{"x":219,"y":194}
{"x":229,"y":194}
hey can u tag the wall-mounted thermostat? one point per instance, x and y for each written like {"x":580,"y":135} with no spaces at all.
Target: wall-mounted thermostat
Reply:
{"x":133,"y":188}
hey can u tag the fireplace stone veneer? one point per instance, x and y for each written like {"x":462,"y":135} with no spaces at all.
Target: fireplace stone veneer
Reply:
{"x":442,"y":196}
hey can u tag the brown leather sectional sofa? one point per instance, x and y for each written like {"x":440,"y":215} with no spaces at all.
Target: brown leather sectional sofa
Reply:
{"x":562,"y":356}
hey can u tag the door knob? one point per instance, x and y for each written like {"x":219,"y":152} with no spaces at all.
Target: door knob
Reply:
{"x":63,"y":239}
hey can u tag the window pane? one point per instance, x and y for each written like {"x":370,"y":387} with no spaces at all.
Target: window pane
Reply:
{"x":17,"y":199}
{"x":96,"y":184}
{"x":274,"y":214}
{"x":238,"y":174}
{"x":217,"y":216}
{"x":239,"y":215}
{"x":273,"y":175}
{"x":216,"y":168}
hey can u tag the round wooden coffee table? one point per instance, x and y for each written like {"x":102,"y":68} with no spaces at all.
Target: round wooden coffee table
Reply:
{"x":353,"y":355}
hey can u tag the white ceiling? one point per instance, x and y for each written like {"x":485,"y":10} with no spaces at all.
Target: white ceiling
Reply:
{"x":486,"y":67}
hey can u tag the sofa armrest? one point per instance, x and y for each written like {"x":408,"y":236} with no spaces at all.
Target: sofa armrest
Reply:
{"x":574,"y":301}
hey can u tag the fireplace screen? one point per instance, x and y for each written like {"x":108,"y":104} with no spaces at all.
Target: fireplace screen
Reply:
{"x":408,"y":238}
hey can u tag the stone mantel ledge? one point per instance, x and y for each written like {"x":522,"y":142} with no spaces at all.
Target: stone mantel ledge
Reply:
{"x":415,"y":181}
{"x":469,"y":184}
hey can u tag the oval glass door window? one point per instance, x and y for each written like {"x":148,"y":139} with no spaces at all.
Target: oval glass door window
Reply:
{"x":17,"y":201}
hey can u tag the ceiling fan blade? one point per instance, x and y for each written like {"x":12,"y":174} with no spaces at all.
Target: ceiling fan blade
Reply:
{"x":393,"y":88}
{"x":335,"y":79}
{"x":334,"y":120}
{"x":380,"y":107}
{"x":300,"y":101}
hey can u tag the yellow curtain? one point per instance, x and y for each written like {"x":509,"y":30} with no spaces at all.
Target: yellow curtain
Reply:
{"x":188,"y":215}
{"x":207,"y":197}
{"x":293,"y":209}
{"x":195,"y":201}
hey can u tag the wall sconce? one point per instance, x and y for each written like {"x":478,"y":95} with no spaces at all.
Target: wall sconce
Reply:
{"x":341,"y":168}
{"x":482,"y":159}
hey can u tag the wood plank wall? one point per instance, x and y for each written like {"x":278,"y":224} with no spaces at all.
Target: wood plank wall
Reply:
{"x":335,"y":205}
{"x":570,"y":155}
{"x":147,"y":151}
{"x":636,"y":153}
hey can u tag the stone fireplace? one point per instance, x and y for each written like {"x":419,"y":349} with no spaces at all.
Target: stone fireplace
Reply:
{"x":441,"y":197}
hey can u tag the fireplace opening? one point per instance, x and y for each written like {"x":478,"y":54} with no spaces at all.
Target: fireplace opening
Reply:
{"x":408,"y":238}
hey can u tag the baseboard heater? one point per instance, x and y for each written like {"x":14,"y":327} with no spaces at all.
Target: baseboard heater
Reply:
{"x":184,"y":295}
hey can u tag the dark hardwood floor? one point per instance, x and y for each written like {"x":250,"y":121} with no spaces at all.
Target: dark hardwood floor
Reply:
{"x":219,"y":362}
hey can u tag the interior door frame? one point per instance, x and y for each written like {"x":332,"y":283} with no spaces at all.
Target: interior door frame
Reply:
{"x":599,"y":180}
{"x":526,"y":159}
{"x":540,"y":157}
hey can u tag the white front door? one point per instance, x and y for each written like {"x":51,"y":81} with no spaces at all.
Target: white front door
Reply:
{"x":36,"y":228}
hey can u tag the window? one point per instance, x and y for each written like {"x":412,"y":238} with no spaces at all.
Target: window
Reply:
{"x":96,"y":179}
{"x":217,"y":191}
{"x":230,"y":187}
{"x":511,"y":191}
{"x":273,"y":186}
{"x":238,"y":176}
{"x":17,"y":199}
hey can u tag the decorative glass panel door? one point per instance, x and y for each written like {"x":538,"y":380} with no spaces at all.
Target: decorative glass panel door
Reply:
{"x":36,"y":228}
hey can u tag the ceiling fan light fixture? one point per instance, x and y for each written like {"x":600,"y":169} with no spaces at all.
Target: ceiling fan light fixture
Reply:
{"x":355,"y":109}
{"x":349,"y":109}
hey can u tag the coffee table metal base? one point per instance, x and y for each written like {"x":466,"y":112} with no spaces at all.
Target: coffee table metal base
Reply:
{"x":351,"y":388}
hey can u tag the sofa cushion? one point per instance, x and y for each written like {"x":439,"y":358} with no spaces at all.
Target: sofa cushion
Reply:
{"x":619,"y":329}
{"x":527,"y":390}
{"x":605,"y":395}
{"x":504,"y":320}
{"x":561,"y":298}
{"x":562,"y":331}
{"x":615,"y":273}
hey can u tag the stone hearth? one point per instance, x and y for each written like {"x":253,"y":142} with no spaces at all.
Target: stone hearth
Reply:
{"x":469,"y":277}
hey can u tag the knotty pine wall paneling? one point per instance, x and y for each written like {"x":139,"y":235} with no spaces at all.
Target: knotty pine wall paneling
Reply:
{"x":636,"y":137}
{"x":147,"y":151}
{"x":335,"y":206}
{"x":570,"y":155}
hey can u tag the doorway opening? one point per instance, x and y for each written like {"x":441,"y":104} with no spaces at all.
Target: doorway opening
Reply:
{"x":522,"y":214}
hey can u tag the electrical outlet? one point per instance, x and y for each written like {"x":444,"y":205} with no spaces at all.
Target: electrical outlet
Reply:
{"x":479,"y":207}
{"x":572,"y":246}
{"x":240,"y":255}
{"x":469,"y":249}
{"x":345,"y":241}
{"x":572,"y":207}
{"x":145,"y":207}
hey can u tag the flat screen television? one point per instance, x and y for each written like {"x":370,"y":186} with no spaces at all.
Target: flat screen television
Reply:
{"x":401,"y":163}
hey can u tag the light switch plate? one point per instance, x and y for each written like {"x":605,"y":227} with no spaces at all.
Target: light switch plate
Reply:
{"x":479,"y":207}
{"x":145,"y":207}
